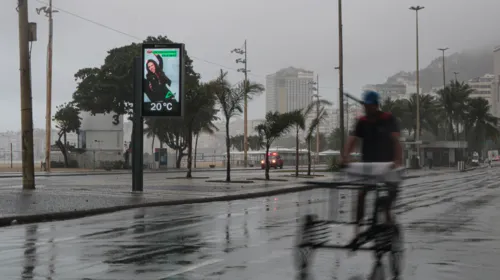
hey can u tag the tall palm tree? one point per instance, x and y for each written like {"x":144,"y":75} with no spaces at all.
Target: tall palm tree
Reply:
{"x":316,"y":104}
{"x":208,"y":128}
{"x":310,"y":134}
{"x":150,"y":132}
{"x":481,"y":124}
{"x":201,"y":109}
{"x":453,"y":100}
{"x":275,"y":126}
{"x":428,"y":109}
{"x":230,"y":100}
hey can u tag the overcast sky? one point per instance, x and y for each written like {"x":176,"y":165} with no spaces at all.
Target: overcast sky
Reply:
{"x":379,"y":39}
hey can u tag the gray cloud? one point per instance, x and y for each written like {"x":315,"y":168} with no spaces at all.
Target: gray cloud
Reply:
{"x":379,"y":39}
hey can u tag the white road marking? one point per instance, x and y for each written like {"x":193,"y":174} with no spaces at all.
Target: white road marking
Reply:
{"x":192,"y":267}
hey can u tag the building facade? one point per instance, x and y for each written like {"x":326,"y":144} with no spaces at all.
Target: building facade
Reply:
{"x":289,"y":89}
{"x":495,"y":85}
{"x":102,"y":139}
{"x":482,"y":87}
{"x":393,"y":91}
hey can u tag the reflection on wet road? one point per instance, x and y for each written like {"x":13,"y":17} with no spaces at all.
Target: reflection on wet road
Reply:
{"x":451,"y":228}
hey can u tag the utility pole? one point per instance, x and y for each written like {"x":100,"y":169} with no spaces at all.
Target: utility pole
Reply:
{"x":11,"y":155}
{"x":341,"y":81}
{"x":26,"y":103}
{"x":444,"y":69}
{"x":48,"y":110}
{"x":245,"y":71}
{"x":347,"y":114}
{"x":456,"y":73}
{"x":417,"y":131}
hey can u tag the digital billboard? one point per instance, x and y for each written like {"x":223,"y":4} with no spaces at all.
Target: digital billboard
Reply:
{"x":163,"y":77}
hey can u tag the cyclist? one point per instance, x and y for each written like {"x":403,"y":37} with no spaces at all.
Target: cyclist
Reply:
{"x":379,"y":132}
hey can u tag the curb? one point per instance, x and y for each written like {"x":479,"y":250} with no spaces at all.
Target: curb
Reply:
{"x":68,"y":215}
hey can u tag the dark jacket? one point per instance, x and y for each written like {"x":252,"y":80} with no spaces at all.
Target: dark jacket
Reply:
{"x":155,"y":83}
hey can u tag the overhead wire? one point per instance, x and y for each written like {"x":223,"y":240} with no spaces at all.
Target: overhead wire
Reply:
{"x":138,"y":38}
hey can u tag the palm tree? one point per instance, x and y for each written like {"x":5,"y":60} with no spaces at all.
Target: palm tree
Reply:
{"x":301,"y":125}
{"x":428,"y":111}
{"x":453,"y":100}
{"x":397,"y":108}
{"x":206,"y":127}
{"x":200,"y":114}
{"x":230,"y":100}
{"x":275,"y":126}
{"x":482,"y":124}
{"x":310,"y":134}
{"x":150,"y":132}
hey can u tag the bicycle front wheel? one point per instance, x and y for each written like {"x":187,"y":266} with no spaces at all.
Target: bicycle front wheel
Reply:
{"x":397,"y":252}
{"x":378,"y":272}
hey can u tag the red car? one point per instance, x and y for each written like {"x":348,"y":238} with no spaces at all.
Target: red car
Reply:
{"x":275,"y":161}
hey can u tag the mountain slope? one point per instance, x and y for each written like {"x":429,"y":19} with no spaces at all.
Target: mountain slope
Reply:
{"x":470,"y":64}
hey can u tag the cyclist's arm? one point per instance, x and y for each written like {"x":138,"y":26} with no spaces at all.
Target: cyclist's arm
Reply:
{"x":353,"y":140}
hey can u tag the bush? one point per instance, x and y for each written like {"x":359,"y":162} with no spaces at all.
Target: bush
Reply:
{"x":334,"y":164}
{"x":108,"y":165}
{"x":60,"y":164}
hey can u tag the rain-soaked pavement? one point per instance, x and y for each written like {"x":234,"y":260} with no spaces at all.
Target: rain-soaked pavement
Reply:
{"x":451,"y":230}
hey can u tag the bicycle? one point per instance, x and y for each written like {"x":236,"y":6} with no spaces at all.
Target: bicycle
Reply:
{"x":388,"y":238}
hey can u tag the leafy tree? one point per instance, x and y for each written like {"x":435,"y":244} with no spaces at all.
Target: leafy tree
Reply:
{"x":275,"y":126}
{"x":108,"y":89}
{"x":230,"y":100}
{"x":67,"y":119}
{"x":201,"y":103}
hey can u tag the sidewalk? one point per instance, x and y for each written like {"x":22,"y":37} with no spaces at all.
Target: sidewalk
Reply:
{"x":67,"y":199}
{"x":86,"y":172}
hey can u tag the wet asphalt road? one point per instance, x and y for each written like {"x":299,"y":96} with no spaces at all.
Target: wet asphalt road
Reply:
{"x":452,"y":224}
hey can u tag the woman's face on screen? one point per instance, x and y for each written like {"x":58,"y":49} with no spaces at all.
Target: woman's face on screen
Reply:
{"x":151,"y":67}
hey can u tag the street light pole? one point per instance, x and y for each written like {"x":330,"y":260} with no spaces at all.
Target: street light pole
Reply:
{"x":245,"y":71}
{"x":456,"y":73}
{"x":417,"y":131}
{"x":341,"y":81}
{"x":444,"y":69}
{"x":48,"y":110}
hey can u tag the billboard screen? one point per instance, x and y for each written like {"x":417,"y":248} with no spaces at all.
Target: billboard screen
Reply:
{"x":163,"y":77}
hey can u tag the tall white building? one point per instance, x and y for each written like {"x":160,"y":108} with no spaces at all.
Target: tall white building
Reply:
{"x":288,"y":89}
{"x":482,"y":87}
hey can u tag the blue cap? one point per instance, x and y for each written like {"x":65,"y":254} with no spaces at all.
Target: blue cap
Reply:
{"x":371,"y":97}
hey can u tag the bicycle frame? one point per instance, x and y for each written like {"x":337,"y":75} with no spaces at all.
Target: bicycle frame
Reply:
{"x":383,"y":234}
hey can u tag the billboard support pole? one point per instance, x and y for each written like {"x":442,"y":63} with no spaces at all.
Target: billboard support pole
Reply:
{"x":138,"y":127}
